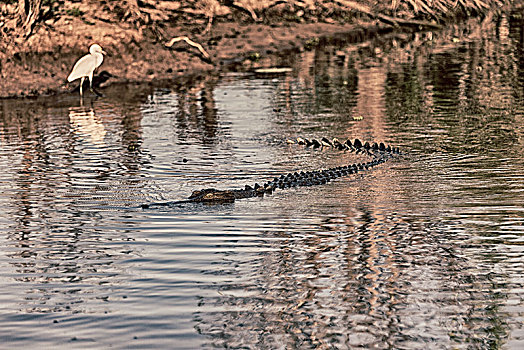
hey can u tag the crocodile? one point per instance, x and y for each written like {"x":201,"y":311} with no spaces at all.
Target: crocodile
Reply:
{"x":378,"y":152}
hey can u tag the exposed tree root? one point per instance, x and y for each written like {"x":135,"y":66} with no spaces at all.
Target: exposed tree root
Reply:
{"x":29,"y":13}
{"x":394,"y":21}
{"x":244,"y":8}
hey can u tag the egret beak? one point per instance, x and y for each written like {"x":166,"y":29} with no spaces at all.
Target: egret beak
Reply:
{"x":103,"y":52}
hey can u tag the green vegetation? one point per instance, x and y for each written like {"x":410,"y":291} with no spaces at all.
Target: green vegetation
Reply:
{"x":254,"y":56}
{"x":311,"y":44}
{"x":75,"y":12}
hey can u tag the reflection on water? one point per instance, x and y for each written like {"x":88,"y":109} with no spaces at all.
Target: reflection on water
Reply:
{"x":87,"y":125}
{"x":425,"y":251}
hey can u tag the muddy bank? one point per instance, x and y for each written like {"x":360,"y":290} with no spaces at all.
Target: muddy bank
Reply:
{"x":39,"y":63}
{"x":230,"y":46}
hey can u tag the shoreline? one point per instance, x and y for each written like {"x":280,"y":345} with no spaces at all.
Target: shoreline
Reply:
{"x":39,"y":65}
{"x":242,"y":48}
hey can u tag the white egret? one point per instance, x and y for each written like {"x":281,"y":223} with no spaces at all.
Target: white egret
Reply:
{"x":86,"y":65}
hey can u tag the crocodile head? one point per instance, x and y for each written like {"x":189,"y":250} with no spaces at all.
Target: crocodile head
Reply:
{"x":212,"y":195}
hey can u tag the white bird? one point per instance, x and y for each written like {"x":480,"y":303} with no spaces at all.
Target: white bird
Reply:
{"x":86,"y":65}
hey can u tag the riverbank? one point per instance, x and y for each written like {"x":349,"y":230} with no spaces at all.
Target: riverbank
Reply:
{"x":37,"y":61}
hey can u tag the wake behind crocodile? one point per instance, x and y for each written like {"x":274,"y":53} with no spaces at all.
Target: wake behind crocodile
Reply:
{"x":377,"y":153}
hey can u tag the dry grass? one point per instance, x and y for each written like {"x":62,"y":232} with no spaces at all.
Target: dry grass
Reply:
{"x":440,"y":9}
{"x":199,"y":15}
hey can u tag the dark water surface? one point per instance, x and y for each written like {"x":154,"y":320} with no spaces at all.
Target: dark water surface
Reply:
{"x":425,"y":251}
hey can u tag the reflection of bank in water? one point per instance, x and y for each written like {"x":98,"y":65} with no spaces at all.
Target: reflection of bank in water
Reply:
{"x":87,"y":125}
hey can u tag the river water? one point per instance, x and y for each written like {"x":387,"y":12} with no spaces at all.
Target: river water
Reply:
{"x":424,"y":251}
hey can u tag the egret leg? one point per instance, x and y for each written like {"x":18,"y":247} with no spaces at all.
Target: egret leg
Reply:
{"x":91,"y":87}
{"x":81,"y":83}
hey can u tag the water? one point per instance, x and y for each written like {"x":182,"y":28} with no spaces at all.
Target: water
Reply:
{"x":425,"y":251}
